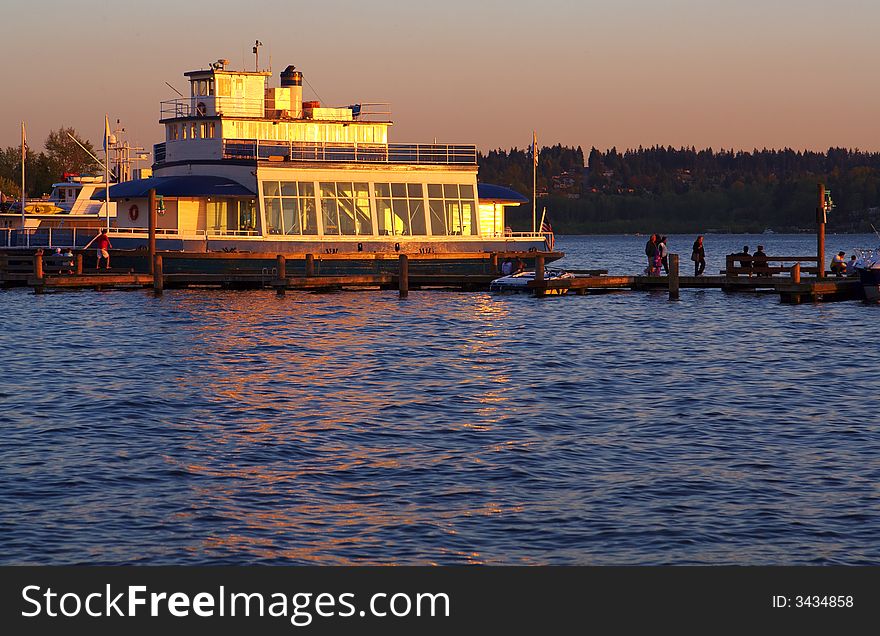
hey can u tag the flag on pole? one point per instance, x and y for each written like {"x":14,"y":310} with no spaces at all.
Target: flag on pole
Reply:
{"x":549,"y":237}
{"x":106,"y":132}
{"x":535,"y":148}
{"x":24,"y":146}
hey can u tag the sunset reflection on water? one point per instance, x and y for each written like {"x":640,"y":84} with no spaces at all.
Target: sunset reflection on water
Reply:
{"x":450,"y":428}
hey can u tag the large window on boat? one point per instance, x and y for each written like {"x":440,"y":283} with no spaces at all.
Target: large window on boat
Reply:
{"x":345,"y":209}
{"x":290,"y":207}
{"x":400,"y":209}
{"x":453,"y":209}
{"x":231,"y":216}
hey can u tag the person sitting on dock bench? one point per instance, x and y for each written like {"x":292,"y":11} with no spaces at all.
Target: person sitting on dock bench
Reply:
{"x":102,"y":243}
{"x":519,"y":266}
{"x":507,"y":267}
{"x":851,"y":266}
{"x":838,"y":265}
{"x":745,"y":260}
{"x":759,"y":262}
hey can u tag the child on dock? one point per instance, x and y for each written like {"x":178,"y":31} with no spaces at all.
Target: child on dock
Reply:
{"x":102,"y":244}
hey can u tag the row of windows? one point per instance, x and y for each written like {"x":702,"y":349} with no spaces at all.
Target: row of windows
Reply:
{"x":347,"y":209}
{"x":191,"y":130}
{"x":283,"y":131}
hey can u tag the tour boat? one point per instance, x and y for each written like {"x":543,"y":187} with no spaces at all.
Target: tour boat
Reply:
{"x":250,"y":167}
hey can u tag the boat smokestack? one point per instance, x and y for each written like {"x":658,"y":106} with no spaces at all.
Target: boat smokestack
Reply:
{"x":293,"y":79}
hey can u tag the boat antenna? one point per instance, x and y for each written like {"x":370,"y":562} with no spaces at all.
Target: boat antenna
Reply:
{"x":100,"y":163}
{"x":257,"y":45}
{"x":174,"y":89}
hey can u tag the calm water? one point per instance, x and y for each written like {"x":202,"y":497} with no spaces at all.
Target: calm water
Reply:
{"x":450,"y":428}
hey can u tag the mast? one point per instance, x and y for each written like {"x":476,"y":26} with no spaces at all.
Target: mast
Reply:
{"x":23,"y":154}
{"x":107,"y":170}
{"x":534,"y":180}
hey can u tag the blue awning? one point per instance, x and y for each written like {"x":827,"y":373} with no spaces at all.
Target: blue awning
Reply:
{"x":496,"y":194}
{"x":182,"y":186}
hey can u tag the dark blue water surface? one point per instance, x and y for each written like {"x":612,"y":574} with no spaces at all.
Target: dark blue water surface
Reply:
{"x":450,"y":428}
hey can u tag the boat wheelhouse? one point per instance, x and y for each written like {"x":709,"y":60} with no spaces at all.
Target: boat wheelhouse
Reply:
{"x":251,"y":167}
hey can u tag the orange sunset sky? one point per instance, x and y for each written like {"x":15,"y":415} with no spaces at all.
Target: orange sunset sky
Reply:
{"x":626,"y":73}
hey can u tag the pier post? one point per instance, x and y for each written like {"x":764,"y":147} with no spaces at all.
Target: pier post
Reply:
{"x":728,"y":266}
{"x":281,"y":283}
{"x":79,"y":263}
{"x":796,"y":273}
{"x":38,"y":271}
{"x":158,"y":277}
{"x":151,"y":240}
{"x":673,"y":277}
{"x":494,"y":262}
{"x":539,"y":275}
{"x":403,"y":275}
{"x":310,"y":265}
{"x":820,"y":233}
{"x":38,"y":264}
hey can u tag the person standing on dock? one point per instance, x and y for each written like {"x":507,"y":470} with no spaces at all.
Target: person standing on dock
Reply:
{"x":102,"y":244}
{"x":651,"y":252}
{"x":698,"y":256}
{"x":664,"y":255}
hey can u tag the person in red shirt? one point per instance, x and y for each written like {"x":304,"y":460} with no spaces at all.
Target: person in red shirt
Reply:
{"x":102,"y":243}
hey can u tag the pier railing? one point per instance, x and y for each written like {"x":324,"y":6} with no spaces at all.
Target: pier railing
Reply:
{"x":438,"y":154}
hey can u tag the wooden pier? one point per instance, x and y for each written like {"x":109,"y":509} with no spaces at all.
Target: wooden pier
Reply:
{"x":328,"y":272}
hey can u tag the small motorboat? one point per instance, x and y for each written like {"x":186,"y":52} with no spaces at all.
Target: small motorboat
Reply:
{"x":519,"y":282}
{"x":868,"y":267}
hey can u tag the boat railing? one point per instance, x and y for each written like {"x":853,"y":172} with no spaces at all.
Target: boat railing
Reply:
{"x":210,"y":106}
{"x":222,"y":232}
{"x":518,"y":235}
{"x":48,"y":236}
{"x":320,"y":151}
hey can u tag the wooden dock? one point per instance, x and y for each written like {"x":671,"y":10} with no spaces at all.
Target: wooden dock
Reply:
{"x":49,"y":272}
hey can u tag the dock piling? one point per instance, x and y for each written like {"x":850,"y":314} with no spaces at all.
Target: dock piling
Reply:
{"x":796,"y":273}
{"x":151,"y":236}
{"x":403,"y":275}
{"x":310,"y":265}
{"x":79,"y":263}
{"x":673,"y":277}
{"x":539,"y":275}
{"x":281,"y":283}
{"x":158,"y":277}
{"x":38,"y":272}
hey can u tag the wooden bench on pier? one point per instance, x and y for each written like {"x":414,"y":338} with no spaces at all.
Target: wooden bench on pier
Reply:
{"x":750,"y":266}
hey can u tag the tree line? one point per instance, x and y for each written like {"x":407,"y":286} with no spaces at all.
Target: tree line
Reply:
{"x":60,"y":154}
{"x":690,"y":190}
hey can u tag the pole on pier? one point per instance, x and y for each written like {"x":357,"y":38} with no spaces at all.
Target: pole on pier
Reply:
{"x":151,"y":241}
{"x":79,"y":263}
{"x":820,"y":233}
{"x":673,"y":277}
{"x":158,"y":277}
{"x":795,"y":273}
{"x":494,"y":262}
{"x":403,"y":275}
{"x":310,"y":265}
{"x":539,"y":275}
{"x":281,"y":283}
{"x":38,"y":264}
{"x":38,"y":271}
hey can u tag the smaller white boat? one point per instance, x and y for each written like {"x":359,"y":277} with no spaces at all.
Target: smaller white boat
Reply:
{"x":519,"y":282}
{"x":868,"y":267}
